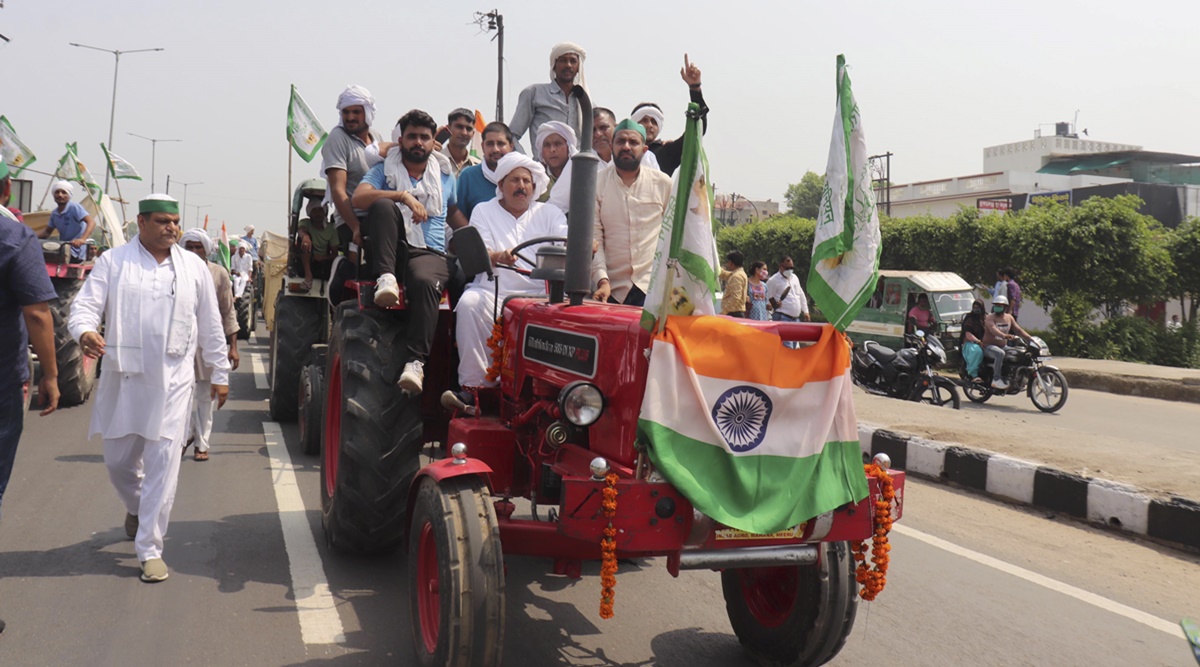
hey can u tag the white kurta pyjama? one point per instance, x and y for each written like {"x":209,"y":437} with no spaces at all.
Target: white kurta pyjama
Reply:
{"x":500,"y":231}
{"x":143,"y":416}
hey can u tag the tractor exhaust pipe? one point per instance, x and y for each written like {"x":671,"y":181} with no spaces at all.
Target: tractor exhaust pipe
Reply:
{"x":585,"y":164}
{"x":721,"y":559}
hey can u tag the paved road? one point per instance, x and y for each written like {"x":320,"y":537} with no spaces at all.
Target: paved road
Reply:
{"x":972,"y":581}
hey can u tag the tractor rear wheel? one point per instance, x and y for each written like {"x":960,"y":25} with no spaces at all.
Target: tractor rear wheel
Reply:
{"x":312,"y":403}
{"x":456,"y":575}
{"x":297,"y":328}
{"x":76,"y":372}
{"x":794,"y":615}
{"x":244,"y":305}
{"x":373,"y":433}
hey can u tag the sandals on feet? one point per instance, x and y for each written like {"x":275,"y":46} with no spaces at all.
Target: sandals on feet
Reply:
{"x":200,"y":456}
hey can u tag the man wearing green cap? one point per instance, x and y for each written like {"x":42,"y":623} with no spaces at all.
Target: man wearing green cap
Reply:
{"x":160,"y":311}
{"x":630,"y":203}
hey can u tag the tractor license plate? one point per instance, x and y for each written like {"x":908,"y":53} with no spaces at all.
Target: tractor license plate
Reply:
{"x":793,"y":533}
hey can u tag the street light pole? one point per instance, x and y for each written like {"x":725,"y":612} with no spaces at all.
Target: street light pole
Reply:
{"x":112,"y":114}
{"x":153,"y":151}
{"x":198,"y":207}
{"x":185,"y":188}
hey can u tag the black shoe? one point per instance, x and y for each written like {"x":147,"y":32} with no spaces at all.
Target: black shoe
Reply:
{"x":1,"y":626}
{"x":463,"y":401}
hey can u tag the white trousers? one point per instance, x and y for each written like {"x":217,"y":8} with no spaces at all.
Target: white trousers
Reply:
{"x":145,"y":475}
{"x":473,"y":327}
{"x":203,"y":405}
{"x":239,"y":285}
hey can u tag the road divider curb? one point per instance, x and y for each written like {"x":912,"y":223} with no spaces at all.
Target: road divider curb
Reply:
{"x":1133,"y":385}
{"x":1100,"y":502}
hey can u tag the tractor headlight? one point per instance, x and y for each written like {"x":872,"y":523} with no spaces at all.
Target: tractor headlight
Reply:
{"x":581,"y":403}
{"x":51,"y":246}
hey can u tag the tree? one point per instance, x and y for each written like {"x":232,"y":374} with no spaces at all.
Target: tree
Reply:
{"x":804,"y":198}
{"x":1184,"y":246}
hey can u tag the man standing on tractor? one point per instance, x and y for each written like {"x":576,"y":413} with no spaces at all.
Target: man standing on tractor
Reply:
{"x":604,"y":122}
{"x":25,"y":291}
{"x":503,"y":224}
{"x":198,"y":241}
{"x":630,"y":204}
{"x":318,"y":241}
{"x":410,"y":198}
{"x":542,"y":102}
{"x":476,"y":184}
{"x":461,"y":123}
{"x":159,"y":307}
{"x":350,"y":150}
{"x":668,"y":154}
{"x":74,"y":224}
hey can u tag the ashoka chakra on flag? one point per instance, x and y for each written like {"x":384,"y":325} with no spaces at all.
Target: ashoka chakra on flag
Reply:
{"x":741,"y":415}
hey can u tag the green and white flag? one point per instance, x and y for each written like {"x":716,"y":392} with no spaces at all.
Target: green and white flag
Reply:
{"x":119,"y":166}
{"x":305,"y":133}
{"x":683,"y":280}
{"x":67,"y":169}
{"x":13,"y":150}
{"x":846,"y":245}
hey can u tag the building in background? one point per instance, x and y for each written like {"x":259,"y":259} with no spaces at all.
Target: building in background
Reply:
{"x":734,"y":209}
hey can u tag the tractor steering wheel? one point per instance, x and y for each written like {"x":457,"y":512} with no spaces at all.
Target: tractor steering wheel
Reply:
{"x":516,"y":252}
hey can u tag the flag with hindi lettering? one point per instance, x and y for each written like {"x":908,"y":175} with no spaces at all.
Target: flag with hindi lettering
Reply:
{"x":223,"y":247}
{"x":305,"y":133}
{"x":847,"y":243}
{"x":683,"y":278}
{"x":756,"y":435}
{"x":119,"y":166}
{"x":67,"y":169}
{"x":12,"y":150}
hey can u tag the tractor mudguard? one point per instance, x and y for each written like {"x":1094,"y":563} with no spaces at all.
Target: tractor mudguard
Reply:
{"x":446,"y":469}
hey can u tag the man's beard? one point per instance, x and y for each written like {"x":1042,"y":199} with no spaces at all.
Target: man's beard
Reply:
{"x":626,"y":162}
{"x":415,"y":155}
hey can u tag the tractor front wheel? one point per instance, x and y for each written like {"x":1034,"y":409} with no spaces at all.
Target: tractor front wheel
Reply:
{"x":456,"y":575}
{"x":794,"y":615}
{"x":298,"y":326}
{"x":76,"y":371}
{"x":312,"y":404}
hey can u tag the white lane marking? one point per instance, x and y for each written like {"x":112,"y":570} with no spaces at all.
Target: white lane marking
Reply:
{"x":319,"y":619}
{"x":1104,"y":603}
{"x":260,"y":371}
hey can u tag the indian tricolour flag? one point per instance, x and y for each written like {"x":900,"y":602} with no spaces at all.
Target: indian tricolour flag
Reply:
{"x":12,"y":150}
{"x":756,"y":435}
{"x":846,"y":245}
{"x":304,"y":131}
{"x":683,"y":278}
{"x":223,"y":247}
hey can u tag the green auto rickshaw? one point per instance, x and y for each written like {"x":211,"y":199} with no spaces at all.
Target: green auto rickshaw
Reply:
{"x":884,"y":319}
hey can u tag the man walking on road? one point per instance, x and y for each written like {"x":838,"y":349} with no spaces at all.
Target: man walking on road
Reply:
{"x":25,"y":290}
{"x":198,"y":241}
{"x":787,"y":299}
{"x":159,"y":307}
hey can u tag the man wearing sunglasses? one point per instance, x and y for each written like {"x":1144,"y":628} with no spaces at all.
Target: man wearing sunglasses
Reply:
{"x":159,"y":309}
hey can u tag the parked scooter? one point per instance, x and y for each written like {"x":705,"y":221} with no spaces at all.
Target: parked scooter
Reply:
{"x":907,"y":374}
{"x":1024,"y":369}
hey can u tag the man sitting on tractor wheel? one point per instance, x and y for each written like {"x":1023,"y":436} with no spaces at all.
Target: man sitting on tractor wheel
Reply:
{"x":503,"y":223}
{"x":72,"y":221}
{"x":318,"y":242}
{"x":410,"y":198}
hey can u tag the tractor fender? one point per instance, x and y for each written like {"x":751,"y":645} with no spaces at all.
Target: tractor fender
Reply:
{"x":446,"y":469}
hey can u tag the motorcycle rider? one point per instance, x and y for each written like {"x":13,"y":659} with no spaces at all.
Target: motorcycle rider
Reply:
{"x":971,"y":339}
{"x":998,"y":330}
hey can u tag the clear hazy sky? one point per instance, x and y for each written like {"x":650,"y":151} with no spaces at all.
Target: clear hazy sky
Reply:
{"x":936,"y":81}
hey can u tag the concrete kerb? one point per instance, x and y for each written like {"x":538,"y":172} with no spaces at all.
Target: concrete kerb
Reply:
{"x":1100,"y":502}
{"x":1132,"y":385}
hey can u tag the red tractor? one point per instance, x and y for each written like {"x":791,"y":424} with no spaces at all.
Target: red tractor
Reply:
{"x":563,"y":419}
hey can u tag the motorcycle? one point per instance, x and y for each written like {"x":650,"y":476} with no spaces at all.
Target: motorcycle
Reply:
{"x":907,"y":374}
{"x":1024,"y":369}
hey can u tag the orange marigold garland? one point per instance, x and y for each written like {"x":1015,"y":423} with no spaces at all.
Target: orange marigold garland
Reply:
{"x":873,"y":579}
{"x":608,"y":548}
{"x":496,"y":345}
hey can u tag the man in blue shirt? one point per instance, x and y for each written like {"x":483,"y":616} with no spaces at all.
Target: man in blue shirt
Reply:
{"x":25,"y":290}
{"x":410,"y":198}
{"x":474,"y":186}
{"x":74,"y":224}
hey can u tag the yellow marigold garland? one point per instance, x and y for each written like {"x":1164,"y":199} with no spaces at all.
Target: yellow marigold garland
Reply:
{"x":496,"y":345}
{"x":874,"y":579}
{"x":608,"y":548}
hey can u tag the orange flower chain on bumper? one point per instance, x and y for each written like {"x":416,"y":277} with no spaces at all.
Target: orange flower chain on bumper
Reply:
{"x":874,"y":579}
{"x":496,"y":345}
{"x":608,"y":547}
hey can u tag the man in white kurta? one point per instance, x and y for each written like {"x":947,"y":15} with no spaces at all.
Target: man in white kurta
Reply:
{"x":241,"y":269}
{"x":158,"y":306}
{"x":512,"y":218}
{"x":631,"y":200}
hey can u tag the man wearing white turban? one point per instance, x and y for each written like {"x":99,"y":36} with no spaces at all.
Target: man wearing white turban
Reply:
{"x":74,"y":224}
{"x":504,"y":223}
{"x":351,"y":149}
{"x":543,"y":102}
{"x":668,"y":154}
{"x":203,"y":404}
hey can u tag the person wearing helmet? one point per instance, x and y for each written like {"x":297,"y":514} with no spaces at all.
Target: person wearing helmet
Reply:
{"x":998,"y":328}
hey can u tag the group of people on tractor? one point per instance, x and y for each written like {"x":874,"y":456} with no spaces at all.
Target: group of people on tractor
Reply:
{"x":396,"y":205}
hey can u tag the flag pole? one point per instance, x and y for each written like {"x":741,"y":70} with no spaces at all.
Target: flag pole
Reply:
{"x":121,"y":198}
{"x":288,"y":199}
